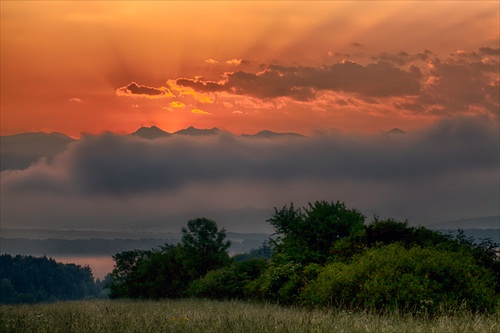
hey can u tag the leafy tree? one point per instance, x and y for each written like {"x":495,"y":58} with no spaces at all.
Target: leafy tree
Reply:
{"x":307,"y":236}
{"x":204,"y":247}
{"x":153,"y":274}
{"x":167,"y":272}
{"x":388,"y":231}
{"x":7,"y":292}
{"x":124,"y":275}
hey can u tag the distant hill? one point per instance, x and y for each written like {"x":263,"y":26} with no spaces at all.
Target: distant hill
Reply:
{"x":19,"y":151}
{"x":151,"y":133}
{"x":198,"y":132}
{"x":272,"y":135}
{"x":486,"y":222}
{"x":395,"y":131}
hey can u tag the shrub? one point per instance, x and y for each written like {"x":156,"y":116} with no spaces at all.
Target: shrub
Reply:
{"x":416,"y":279}
{"x":228,"y":282}
{"x":283,"y":283}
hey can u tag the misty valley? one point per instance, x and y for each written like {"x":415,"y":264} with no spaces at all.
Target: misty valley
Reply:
{"x":97,"y":252}
{"x":318,"y":253}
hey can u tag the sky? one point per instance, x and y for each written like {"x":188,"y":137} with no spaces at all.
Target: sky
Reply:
{"x":350,"y":66}
{"x":341,"y":73}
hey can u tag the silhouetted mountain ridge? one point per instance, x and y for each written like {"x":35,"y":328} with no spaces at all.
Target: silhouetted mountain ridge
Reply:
{"x":151,"y":133}
{"x":19,"y":151}
{"x":484,"y":222}
{"x":272,"y":135}
{"x":395,"y":131}
{"x":193,"y":131}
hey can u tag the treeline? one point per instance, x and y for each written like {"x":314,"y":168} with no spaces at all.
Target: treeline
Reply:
{"x":27,"y":279}
{"x":99,"y":246}
{"x":93,"y":246}
{"x":321,"y":255}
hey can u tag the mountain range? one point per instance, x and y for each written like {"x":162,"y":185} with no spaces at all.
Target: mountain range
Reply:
{"x":19,"y":151}
{"x":486,"y":222}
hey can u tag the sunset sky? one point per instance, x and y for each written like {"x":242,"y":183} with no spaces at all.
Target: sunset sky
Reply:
{"x":329,"y":66}
{"x":341,"y":73}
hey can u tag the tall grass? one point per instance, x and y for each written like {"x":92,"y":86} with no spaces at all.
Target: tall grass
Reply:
{"x":231,"y":316}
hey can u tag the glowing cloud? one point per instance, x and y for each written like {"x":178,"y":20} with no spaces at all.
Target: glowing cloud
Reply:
{"x":235,"y":62}
{"x":177,"y":104}
{"x":136,"y":90}
{"x":199,"y":111}
{"x":181,"y":91}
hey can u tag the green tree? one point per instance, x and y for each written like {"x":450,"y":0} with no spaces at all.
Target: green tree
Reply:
{"x":307,"y":235}
{"x":204,"y":247}
{"x":7,"y":292}
{"x":167,"y":272}
{"x":125,"y":280}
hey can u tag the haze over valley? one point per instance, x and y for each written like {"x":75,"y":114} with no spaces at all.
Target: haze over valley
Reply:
{"x":123,"y":120}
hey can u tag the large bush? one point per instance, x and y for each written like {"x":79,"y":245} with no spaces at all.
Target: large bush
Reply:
{"x":282,"y":283}
{"x":416,"y":279}
{"x":229,"y":282}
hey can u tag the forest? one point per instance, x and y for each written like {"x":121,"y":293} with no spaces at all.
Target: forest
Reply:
{"x":27,"y":279}
{"x":322,"y":255}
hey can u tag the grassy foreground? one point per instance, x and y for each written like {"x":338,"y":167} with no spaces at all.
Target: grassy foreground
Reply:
{"x":231,"y":316}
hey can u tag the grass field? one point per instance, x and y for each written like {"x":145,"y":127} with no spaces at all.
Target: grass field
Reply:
{"x":231,"y":316}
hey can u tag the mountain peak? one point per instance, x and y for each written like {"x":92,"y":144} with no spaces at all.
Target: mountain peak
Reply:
{"x":151,"y":133}
{"x":267,"y":134}
{"x":193,"y":131}
{"x":19,"y":151}
{"x":395,"y":131}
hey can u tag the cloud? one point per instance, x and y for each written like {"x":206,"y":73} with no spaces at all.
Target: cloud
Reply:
{"x":188,"y":89}
{"x":211,"y":61}
{"x":301,"y":83}
{"x":445,"y":172}
{"x":136,"y":90}
{"x":234,"y":62}
{"x":75,"y":99}
{"x":463,"y":82}
{"x":199,"y":111}
{"x":401,"y":58}
{"x":177,"y":104}
{"x":489,"y":51}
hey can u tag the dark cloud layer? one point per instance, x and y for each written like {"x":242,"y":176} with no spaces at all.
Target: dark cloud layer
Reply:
{"x":136,"y":89}
{"x":456,"y":157}
{"x":301,"y":83}
{"x":462,"y":83}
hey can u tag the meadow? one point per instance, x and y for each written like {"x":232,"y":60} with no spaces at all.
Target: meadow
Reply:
{"x":188,"y":315}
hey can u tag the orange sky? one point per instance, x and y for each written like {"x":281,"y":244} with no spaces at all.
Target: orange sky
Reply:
{"x":66,"y":66}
